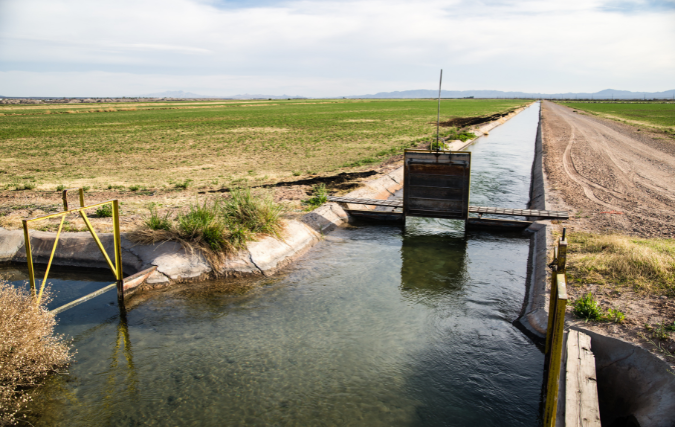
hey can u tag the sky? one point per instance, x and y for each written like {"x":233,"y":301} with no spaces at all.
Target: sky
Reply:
{"x":318,"y":48}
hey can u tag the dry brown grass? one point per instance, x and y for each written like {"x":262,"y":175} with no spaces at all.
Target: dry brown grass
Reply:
{"x":646,"y":265}
{"x":29,"y":350}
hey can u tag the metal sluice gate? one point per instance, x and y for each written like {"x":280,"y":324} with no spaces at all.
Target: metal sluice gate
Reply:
{"x":437,"y":184}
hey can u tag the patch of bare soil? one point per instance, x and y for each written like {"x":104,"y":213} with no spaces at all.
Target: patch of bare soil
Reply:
{"x":614,"y":179}
{"x":461,"y":122}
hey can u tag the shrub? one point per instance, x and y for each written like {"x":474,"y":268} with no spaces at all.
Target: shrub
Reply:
{"x":587,"y":308}
{"x":134,"y":187}
{"x":156,"y":222}
{"x":615,"y":316}
{"x":29,"y":349}
{"x":202,"y":224}
{"x":183,"y":185}
{"x":257,"y":214}
{"x":104,"y":211}
{"x":60,"y":187}
{"x":320,"y":196}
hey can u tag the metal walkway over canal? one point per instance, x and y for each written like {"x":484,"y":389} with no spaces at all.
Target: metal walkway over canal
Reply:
{"x":398,"y":203}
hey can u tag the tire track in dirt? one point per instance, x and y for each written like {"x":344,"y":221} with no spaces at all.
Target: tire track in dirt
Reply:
{"x":610,"y":179}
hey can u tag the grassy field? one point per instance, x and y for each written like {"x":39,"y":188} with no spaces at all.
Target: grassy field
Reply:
{"x":209,"y":144}
{"x":659,"y":115}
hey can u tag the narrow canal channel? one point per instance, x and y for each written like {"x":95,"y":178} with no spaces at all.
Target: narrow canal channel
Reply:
{"x":376,"y":326}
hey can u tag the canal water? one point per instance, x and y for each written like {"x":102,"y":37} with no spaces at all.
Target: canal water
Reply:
{"x":376,"y":326}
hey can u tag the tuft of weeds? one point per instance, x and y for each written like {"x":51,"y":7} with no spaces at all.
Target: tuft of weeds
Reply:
{"x":157,"y":222}
{"x":217,"y":226}
{"x":104,"y":211}
{"x":134,"y":187}
{"x":60,"y":187}
{"x":202,"y":224}
{"x":648,"y":265}
{"x":183,"y":185}
{"x":86,"y":188}
{"x":255,"y":213}
{"x":587,"y":308}
{"x":30,"y":349}
{"x":297,"y":173}
{"x":319,"y":197}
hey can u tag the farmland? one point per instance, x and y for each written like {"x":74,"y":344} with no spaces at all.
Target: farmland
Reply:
{"x":208,"y":144}
{"x":656,"y":115}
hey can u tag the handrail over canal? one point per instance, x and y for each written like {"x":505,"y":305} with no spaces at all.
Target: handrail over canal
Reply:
{"x":121,"y":284}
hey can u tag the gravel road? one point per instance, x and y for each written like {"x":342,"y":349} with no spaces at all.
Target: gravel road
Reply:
{"x":610,"y":176}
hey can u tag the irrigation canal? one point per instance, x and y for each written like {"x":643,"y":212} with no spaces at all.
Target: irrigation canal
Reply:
{"x":376,"y":326}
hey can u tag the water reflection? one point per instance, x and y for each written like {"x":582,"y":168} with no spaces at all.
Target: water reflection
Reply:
{"x":429,"y":269}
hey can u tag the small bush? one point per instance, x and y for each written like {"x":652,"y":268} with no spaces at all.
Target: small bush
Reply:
{"x":587,"y":308}
{"x":183,"y":185}
{"x":320,"y":196}
{"x":29,"y":350}
{"x":297,"y":173}
{"x":26,"y":186}
{"x":86,"y":188}
{"x":104,"y":211}
{"x":156,"y":222}
{"x":134,"y":187}
{"x":202,"y":224}
{"x":258,"y":214}
{"x":615,"y":316}
{"x":60,"y":187}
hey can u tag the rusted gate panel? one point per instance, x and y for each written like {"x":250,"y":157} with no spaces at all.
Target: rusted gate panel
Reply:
{"x":436,"y":184}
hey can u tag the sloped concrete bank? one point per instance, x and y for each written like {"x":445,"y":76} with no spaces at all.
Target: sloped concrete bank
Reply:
{"x":534,"y":315}
{"x":175,"y":264}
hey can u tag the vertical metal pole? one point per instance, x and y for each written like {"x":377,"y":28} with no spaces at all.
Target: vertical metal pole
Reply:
{"x":438,"y":116}
{"x":29,"y":257}
{"x":65,"y":200}
{"x":81,"y":197}
{"x":118,"y":252}
{"x":554,"y":370}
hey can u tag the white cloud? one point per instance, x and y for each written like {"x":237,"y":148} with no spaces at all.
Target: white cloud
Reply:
{"x":332,"y":48}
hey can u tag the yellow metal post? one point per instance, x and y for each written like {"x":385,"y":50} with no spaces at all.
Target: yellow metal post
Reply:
{"x":118,"y":252}
{"x":551,"y":307}
{"x":81,"y":197}
{"x":51,"y":258}
{"x":98,"y":241}
{"x":29,"y":257}
{"x":553,"y":380}
{"x":562,"y":256}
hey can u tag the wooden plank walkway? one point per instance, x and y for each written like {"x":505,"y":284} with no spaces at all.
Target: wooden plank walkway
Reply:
{"x":472,"y":209}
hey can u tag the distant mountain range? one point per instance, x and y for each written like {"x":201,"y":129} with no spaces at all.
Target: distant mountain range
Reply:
{"x":425,"y":93}
{"x":603,"y":94}
{"x":181,"y":94}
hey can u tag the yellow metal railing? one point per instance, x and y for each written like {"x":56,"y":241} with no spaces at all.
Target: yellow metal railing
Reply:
{"x":116,"y":267}
{"x":555,"y":331}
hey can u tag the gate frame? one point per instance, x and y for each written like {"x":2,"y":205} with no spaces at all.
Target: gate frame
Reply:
{"x":116,"y":268}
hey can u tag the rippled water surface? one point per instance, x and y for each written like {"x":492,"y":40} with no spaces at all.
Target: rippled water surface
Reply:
{"x":376,"y":326}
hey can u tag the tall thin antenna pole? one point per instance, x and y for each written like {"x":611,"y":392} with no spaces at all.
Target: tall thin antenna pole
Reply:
{"x":438,"y":117}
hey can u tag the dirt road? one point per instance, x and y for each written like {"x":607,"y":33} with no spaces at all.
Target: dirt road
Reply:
{"x":610,"y":176}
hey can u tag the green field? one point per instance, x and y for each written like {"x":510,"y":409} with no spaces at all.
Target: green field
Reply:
{"x":659,"y":115}
{"x":211,"y":143}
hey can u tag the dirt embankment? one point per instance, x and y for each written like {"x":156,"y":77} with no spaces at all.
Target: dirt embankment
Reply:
{"x":613,"y":178}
